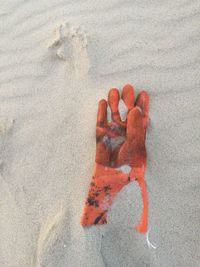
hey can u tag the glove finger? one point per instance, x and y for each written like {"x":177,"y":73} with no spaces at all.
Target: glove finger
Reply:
{"x":142,"y":102}
{"x":128,"y":96}
{"x":134,"y":124}
{"x":113,"y":101}
{"x":103,"y":148}
{"x":102,"y":113}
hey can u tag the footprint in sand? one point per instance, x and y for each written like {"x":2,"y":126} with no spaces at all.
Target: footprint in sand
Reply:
{"x":70,"y":45}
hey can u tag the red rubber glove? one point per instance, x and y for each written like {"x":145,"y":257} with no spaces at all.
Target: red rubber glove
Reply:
{"x":120,"y":145}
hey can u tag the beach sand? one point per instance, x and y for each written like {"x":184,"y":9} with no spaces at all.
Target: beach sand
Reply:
{"x":58,"y":58}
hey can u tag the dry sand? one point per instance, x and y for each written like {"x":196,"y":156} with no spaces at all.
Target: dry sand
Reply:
{"x":57,"y":59}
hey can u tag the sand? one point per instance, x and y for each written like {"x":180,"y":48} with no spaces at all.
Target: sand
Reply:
{"x":58,"y":58}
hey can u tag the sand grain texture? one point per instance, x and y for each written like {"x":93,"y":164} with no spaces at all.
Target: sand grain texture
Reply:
{"x":58,"y":58}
